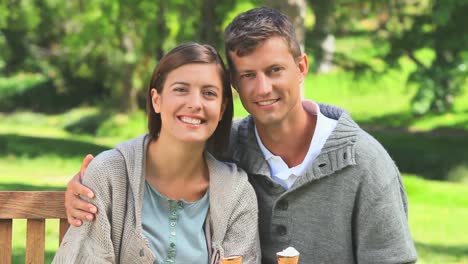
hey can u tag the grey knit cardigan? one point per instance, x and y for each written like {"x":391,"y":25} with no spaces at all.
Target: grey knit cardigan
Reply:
{"x":116,"y":236}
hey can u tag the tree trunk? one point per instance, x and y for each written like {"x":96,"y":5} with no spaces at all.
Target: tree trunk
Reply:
{"x":296,"y":11}
{"x":16,"y":39}
{"x":18,"y":50}
{"x":128,"y":99}
{"x":209,"y":28}
{"x":323,"y":39}
{"x":163,"y":30}
{"x":445,"y":59}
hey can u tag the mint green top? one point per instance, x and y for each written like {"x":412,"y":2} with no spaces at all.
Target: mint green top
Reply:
{"x":175,"y":229}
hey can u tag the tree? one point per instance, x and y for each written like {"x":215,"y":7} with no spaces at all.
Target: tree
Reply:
{"x":439,"y":27}
{"x":322,"y":41}
{"x":296,"y":11}
{"x":212,"y":13}
{"x":99,"y":47}
{"x":18,"y":20}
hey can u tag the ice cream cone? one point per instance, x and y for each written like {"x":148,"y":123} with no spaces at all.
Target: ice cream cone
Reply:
{"x":288,"y":256}
{"x":232,"y":260}
{"x":288,"y":260}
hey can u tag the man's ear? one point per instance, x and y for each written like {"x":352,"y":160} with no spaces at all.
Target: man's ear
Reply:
{"x":303,"y":65}
{"x":156,"y":100}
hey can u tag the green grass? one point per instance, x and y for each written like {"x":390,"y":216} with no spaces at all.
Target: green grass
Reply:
{"x":438,"y":214}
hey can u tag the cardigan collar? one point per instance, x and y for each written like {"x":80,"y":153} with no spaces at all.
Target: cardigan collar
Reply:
{"x":222,"y":185}
{"x":337,"y":153}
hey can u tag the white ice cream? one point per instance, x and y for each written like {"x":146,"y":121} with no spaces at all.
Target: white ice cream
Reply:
{"x":289,"y":252}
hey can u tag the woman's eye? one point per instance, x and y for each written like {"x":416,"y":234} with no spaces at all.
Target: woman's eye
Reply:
{"x":210,"y":93}
{"x":179,"y":89}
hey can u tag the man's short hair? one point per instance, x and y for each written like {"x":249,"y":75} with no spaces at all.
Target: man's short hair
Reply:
{"x":252,"y":28}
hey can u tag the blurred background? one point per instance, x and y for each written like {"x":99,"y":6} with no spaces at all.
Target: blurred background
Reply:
{"x":74,"y":74}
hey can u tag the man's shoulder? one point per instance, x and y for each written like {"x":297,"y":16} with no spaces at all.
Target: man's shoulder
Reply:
{"x":373,"y":160}
{"x":241,"y":130}
{"x":348,"y":128}
{"x":367,"y":146}
{"x":369,"y":153}
{"x":240,"y":123}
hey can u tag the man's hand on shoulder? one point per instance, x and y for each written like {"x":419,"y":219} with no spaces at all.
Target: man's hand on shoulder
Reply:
{"x":78,"y":209}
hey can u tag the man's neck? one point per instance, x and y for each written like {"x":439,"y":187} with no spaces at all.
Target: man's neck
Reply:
{"x":291,"y":138}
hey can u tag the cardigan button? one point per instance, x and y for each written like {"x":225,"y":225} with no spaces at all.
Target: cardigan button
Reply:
{"x":281,"y":230}
{"x":283,"y":205}
{"x":269,"y":183}
{"x":142,"y":252}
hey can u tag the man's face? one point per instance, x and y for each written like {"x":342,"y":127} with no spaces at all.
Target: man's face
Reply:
{"x":268,"y":81}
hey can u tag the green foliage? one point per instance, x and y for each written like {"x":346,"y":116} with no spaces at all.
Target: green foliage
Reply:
{"x":424,"y":153}
{"x":438,"y":26}
{"x":18,"y":84}
{"x":103,"y":49}
{"x":35,"y":92}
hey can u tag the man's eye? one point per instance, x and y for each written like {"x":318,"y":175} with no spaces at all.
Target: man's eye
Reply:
{"x":247,"y":76}
{"x":276,"y":69}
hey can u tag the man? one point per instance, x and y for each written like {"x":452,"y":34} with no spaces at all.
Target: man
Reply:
{"x":324,"y":186}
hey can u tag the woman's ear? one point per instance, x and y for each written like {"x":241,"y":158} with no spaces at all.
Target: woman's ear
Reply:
{"x":156,"y":101}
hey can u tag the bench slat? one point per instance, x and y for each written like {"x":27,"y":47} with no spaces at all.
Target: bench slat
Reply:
{"x":5,"y":240}
{"x":32,"y":205}
{"x":35,"y":241}
{"x":64,"y":225}
{"x":36,"y":207}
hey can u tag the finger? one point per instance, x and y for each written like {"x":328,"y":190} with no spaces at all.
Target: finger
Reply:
{"x":81,"y":215}
{"x":73,"y":221}
{"x":76,"y":203}
{"x":85,"y":164}
{"x":76,"y":188}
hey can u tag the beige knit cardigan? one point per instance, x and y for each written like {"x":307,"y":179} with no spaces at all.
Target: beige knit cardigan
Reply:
{"x":117,"y":178}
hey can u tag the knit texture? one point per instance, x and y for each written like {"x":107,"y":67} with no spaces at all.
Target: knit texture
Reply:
{"x":349,"y":206}
{"x":116,"y":236}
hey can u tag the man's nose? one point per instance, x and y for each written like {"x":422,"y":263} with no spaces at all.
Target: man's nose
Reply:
{"x":263,"y":84}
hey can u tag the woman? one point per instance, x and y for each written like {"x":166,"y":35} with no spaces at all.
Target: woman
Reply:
{"x":162,"y":197}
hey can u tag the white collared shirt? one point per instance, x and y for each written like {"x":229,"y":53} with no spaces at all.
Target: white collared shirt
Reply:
{"x":280,"y":171}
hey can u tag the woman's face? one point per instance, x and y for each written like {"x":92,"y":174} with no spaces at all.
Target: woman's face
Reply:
{"x":191,"y":103}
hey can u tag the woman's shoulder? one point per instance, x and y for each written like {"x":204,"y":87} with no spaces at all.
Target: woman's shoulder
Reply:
{"x":113,"y":161}
{"x":227,"y":171}
{"x":228,"y":180}
{"x":104,"y":168}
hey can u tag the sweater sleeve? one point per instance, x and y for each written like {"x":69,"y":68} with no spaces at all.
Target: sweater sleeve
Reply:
{"x":380,"y":225}
{"x":92,"y":242}
{"x":242,"y":236}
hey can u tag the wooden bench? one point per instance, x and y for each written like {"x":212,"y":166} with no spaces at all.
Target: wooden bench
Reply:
{"x":36,"y":207}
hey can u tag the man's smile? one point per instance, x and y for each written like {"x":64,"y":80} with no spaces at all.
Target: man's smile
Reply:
{"x":267,"y":102}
